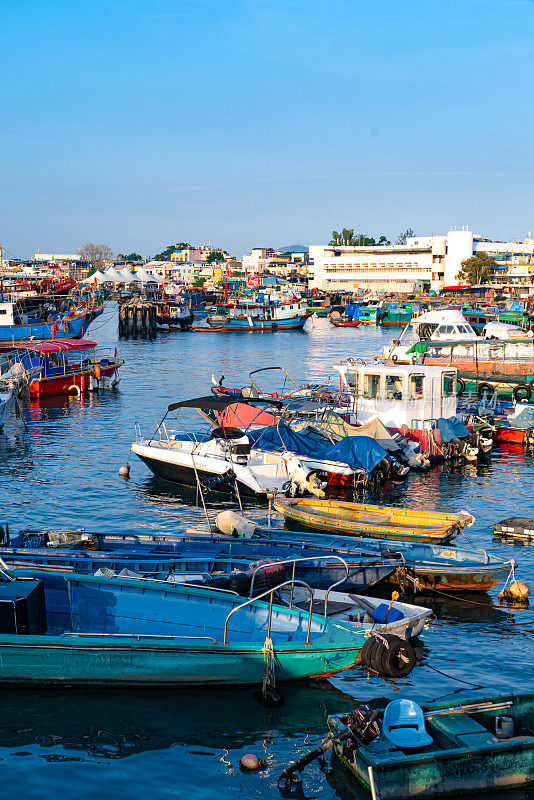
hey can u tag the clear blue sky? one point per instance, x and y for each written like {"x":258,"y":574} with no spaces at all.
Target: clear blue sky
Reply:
{"x":262,"y":122}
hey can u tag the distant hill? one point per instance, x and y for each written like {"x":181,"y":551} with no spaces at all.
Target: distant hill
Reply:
{"x":294,"y":248}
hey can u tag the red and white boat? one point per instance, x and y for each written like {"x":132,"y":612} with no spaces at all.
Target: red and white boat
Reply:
{"x":70,"y":366}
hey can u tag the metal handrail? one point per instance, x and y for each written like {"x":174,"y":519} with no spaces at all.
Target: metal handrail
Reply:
{"x":270,"y":592}
{"x":294,"y":562}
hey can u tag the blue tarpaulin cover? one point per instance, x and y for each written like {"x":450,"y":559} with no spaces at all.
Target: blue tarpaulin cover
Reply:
{"x":451,"y":428}
{"x":352,"y":311}
{"x":359,"y":452}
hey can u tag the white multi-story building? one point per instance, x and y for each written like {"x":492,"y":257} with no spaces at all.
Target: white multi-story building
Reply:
{"x":424,"y":261}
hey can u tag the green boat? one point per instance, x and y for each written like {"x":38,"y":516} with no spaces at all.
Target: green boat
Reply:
{"x":396,"y":314}
{"x":468,"y":753}
{"x":63,"y":628}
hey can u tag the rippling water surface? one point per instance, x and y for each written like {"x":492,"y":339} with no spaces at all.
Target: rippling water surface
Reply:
{"x":60,"y":469}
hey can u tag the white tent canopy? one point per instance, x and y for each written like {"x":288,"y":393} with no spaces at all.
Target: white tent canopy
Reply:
{"x":113,"y":276}
{"x":146,"y":277}
{"x":128,"y":276}
{"x":97,"y":277}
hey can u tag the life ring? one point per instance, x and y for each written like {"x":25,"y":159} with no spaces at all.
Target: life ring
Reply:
{"x":66,"y":327}
{"x":414,"y":358}
{"x":519,"y":389}
{"x":485,"y":388}
{"x":394,"y":358}
{"x":460,"y":386}
{"x":73,"y":389}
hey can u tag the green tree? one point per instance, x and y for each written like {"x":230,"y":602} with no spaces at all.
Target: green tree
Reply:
{"x":346,"y":238}
{"x":166,"y":254}
{"x":477,"y":269}
{"x":133,"y":257}
{"x":407,"y":234}
{"x":215,"y":255}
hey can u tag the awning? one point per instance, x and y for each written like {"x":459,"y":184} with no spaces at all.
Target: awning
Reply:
{"x":62,"y":346}
{"x":213,"y":402}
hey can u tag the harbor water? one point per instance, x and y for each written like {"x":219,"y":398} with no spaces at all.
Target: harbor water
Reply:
{"x":60,"y":464}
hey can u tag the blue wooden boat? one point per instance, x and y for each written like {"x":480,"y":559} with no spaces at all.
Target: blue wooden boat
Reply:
{"x":254,"y":317}
{"x":424,"y":566}
{"x":17,"y":328}
{"x":467,"y":754}
{"x":157,"y":557}
{"x":75,"y":629}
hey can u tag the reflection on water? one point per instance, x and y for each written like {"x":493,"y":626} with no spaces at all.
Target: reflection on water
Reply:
{"x":63,"y":473}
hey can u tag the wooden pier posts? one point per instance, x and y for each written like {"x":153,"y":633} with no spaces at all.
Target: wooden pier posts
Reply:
{"x":137,"y":316}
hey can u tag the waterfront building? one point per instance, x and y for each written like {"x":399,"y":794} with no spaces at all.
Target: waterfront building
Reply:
{"x":61,"y":265}
{"x":423,"y":263}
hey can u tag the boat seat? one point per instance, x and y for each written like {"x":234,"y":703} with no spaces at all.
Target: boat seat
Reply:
{"x":462,"y":730}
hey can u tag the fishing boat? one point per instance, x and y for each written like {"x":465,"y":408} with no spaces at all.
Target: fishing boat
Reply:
{"x":439,"y":749}
{"x":257,"y":317}
{"x":130,"y":632}
{"x":70,"y":366}
{"x":173,"y":314}
{"x":419,"y":402}
{"x":349,"y":317}
{"x":395,"y":314}
{"x":18,"y":328}
{"x":424,"y":566}
{"x":198,"y":559}
{"x":386,"y":522}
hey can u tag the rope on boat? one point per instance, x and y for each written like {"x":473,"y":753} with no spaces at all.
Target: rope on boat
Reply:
{"x":269,"y":677}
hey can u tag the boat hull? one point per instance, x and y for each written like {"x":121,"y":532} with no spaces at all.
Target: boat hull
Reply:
{"x":141,"y":661}
{"x":73,"y":383}
{"x":14,"y":335}
{"x":261,"y":326}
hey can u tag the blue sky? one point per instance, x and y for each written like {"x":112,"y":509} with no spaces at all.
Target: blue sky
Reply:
{"x":262,"y":122}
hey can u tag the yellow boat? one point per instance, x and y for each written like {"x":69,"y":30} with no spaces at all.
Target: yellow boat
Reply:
{"x":378,"y":522}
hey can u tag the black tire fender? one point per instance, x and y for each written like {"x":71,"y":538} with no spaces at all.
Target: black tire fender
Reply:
{"x":484,"y":388}
{"x":460,"y":386}
{"x":519,"y":389}
{"x":397,"y":659}
{"x":368,"y":651}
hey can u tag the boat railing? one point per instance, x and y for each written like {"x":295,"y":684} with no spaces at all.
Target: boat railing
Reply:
{"x":270,"y":593}
{"x":294,"y":561}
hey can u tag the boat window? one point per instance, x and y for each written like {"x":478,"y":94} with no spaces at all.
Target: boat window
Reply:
{"x":393,"y":387}
{"x":371,"y":385}
{"x":449,"y":384}
{"x":417,"y":385}
{"x":351,"y":378}
{"x":445,"y":329}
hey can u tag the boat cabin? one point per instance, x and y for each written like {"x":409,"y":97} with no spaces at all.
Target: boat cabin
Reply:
{"x":411,"y":395}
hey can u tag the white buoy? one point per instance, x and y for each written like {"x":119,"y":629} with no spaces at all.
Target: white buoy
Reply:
{"x":124,"y":472}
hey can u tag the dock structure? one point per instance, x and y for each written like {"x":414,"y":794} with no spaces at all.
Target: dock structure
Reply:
{"x":137,"y":315}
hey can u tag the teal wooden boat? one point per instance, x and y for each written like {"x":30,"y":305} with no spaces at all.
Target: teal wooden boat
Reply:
{"x":466,"y":755}
{"x":63,"y":628}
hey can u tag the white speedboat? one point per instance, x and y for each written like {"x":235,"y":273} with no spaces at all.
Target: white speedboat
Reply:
{"x":225,"y":459}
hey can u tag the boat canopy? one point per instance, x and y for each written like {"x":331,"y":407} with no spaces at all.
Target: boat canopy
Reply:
{"x":359,"y":452}
{"x":62,"y":346}
{"x":451,"y":428}
{"x":213,"y":402}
